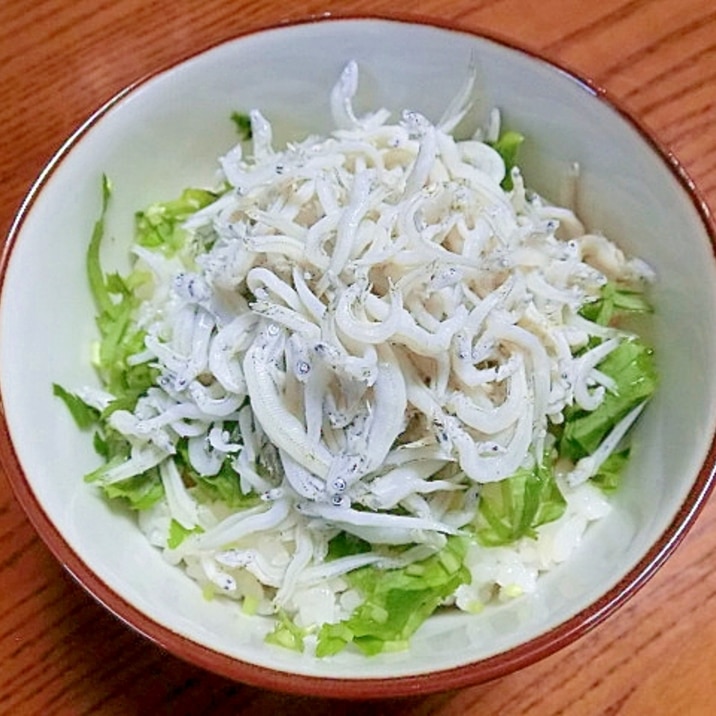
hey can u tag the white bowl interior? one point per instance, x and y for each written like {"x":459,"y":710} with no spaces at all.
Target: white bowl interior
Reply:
{"x":167,"y":134}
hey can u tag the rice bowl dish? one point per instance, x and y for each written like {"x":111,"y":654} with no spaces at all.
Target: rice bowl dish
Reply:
{"x":361,"y":350}
{"x":335,"y":386}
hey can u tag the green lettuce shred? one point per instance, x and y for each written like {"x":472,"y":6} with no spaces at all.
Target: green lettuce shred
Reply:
{"x":286,"y":633}
{"x":396,"y":602}
{"x":139,"y":492}
{"x":178,"y":533}
{"x":116,"y":304}
{"x":345,"y":544}
{"x":224,"y":487}
{"x":159,"y":226}
{"x":242,"y":122}
{"x":85,"y":416}
{"x":507,"y":146}
{"x":98,"y":285}
{"x":631,"y":365}
{"x":609,"y":476}
{"x":514,"y":507}
{"x":613,"y":303}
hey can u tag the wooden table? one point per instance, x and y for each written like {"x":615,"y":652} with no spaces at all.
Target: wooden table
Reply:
{"x":62,"y":653}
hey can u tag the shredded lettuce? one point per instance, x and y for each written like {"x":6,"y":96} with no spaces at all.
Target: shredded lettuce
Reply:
{"x":613,"y":303}
{"x":631,"y":365}
{"x":345,"y":544}
{"x":286,"y":633}
{"x":515,"y":507}
{"x":98,"y":285}
{"x":396,"y":602}
{"x":85,"y":416}
{"x":242,"y":122}
{"x":224,"y":487}
{"x":139,"y":492}
{"x":159,"y":226}
{"x":609,"y":476}
{"x":116,"y":304}
{"x":178,"y":533}
{"x":507,"y":146}
{"x":109,"y":444}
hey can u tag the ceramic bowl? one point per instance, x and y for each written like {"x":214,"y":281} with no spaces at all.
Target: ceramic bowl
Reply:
{"x":166,"y":133}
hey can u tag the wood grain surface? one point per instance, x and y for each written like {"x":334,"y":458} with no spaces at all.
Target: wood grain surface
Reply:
{"x":60,"y":652}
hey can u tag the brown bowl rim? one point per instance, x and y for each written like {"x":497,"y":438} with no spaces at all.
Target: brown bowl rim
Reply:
{"x":362,"y":688}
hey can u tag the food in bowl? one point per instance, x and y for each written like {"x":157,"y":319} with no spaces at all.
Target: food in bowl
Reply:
{"x":366,"y":376}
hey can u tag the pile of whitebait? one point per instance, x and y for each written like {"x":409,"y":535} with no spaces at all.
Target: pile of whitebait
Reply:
{"x":369,"y":328}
